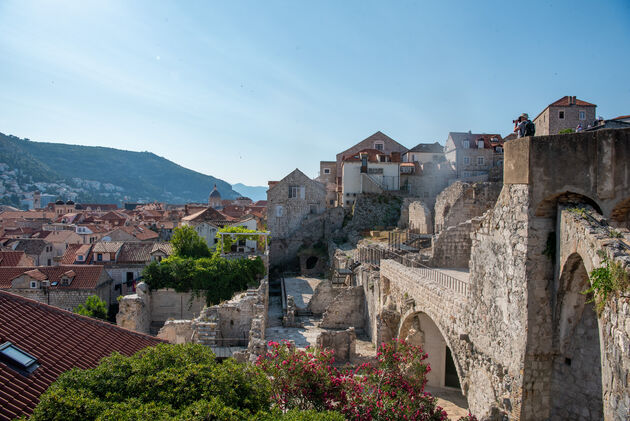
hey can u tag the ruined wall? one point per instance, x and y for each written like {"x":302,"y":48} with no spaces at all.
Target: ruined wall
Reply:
{"x":176,"y":331}
{"x":134,"y":312}
{"x":451,"y":247}
{"x":323,"y":297}
{"x":496,"y":315}
{"x":462,"y":201}
{"x":371,"y":211}
{"x":346,"y":310}
{"x":342,"y":343}
{"x":420,"y":218}
{"x":169,"y":304}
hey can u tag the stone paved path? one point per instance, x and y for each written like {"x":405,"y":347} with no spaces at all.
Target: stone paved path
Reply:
{"x":453,"y":402}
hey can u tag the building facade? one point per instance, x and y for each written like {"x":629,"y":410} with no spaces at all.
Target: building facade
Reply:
{"x":566,"y":113}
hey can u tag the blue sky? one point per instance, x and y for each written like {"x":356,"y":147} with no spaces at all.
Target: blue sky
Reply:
{"x":249,"y":90}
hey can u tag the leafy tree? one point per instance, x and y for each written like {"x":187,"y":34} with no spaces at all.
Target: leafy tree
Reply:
{"x":565,"y":131}
{"x":187,"y":243}
{"x":216,"y":277}
{"x":166,"y":382}
{"x":93,"y":307}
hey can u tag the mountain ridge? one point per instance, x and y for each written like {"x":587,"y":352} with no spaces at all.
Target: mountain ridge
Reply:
{"x":105,"y":174}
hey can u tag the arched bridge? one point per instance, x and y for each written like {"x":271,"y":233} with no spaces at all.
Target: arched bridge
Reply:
{"x":519,"y":331}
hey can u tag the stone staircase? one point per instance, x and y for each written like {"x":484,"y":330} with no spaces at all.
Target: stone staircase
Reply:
{"x":206,"y":327}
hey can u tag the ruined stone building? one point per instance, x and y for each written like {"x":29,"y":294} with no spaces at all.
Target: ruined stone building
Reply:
{"x":293,"y":202}
{"x":328,"y":177}
{"x":565,"y":113}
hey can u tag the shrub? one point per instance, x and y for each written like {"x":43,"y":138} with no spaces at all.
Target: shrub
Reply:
{"x":391,"y":389}
{"x":163,"y":382}
{"x":93,"y":307}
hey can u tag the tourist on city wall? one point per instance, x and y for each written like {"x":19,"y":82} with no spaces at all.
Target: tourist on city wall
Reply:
{"x":523,"y":126}
{"x":578,"y":128}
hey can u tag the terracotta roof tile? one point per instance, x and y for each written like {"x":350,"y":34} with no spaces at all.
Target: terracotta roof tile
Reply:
{"x":11,"y":258}
{"x":60,"y":340}
{"x":87,"y":276}
{"x":564,"y":102}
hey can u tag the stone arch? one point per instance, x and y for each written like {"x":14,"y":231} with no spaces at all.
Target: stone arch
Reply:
{"x":576,"y":378}
{"x":547,"y":208}
{"x":620,"y":214}
{"x":420,"y":329}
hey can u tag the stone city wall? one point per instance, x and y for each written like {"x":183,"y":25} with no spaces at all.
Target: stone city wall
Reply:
{"x":451,"y":247}
{"x":420,"y":218}
{"x":463,"y":201}
{"x":346,"y":310}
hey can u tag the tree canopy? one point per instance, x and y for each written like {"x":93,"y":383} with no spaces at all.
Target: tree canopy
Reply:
{"x":166,"y":382}
{"x":93,"y":307}
{"x":187,"y":243}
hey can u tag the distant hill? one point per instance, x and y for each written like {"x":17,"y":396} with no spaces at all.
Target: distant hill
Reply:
{"x":105,"y":175}
{"x":253,"y":192}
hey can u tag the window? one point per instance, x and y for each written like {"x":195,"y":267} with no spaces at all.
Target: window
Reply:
{"x":49,"y":262}
{"x":466,"y":160}
{"x":480,"y":144}
{"x":99,"y":257}
{"x":379,"y":146}
{"x":296,"y":192}
{"x":499,"y":163}
{"x":80,"y":257}
{"x":326,"y":170}
{"x":480,"y":160}
{"x":561,"y":114}
{"x":466,"y":144}
{"x":332,"y":202}
{"x":500,"y":149}
{"x":33,"y":284}
{"x":64,"y":282}
{"x":582,"y":115}
{"x":18,"y":359}
{"x":279,"y":210}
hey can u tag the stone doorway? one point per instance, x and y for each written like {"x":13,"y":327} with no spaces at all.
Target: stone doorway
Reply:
{"x":576,"y":381}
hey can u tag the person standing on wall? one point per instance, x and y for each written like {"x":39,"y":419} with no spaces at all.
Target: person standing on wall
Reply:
{"x":523,"y":126}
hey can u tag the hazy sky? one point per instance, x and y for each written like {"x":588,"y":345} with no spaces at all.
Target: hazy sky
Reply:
{"x":249,"y":90}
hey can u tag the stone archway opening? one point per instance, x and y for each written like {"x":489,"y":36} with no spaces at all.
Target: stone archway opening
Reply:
{"x":311,"y":262}
{"x":620,"y":215}
{"x":420,"y":330}
{"x":576,"y":381}
{"x":548,"y":207}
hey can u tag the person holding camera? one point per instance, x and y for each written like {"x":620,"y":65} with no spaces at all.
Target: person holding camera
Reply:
{"x":523,"y":126}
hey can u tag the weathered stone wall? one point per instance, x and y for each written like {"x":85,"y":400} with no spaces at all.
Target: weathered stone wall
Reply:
{"x":346,"y":310}
{"x":581,"y":339}
{"x":451,"y":247}
{"x":168,"y":304}
{"x":134,"y":311}
{"x":323,"y":297}
{"x":342,"y":343}
{"x":176,"y":331}
{"x":420,"y":218}
{"x":312,"y":229}
{"x":65,"y":298}
{"x":462,"y":201}
{"x":496,"y":316}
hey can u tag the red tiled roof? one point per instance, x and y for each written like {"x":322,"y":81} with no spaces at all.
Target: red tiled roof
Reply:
{"x":70,"y":256}
{"x":87,"y":276}
{"x":564,"y":102}
{"x":60,"y":340}
{"x":11,"y":258}
{"x":372,"y":156}
{"x":260,"y":203}
{"x":621,"y":117}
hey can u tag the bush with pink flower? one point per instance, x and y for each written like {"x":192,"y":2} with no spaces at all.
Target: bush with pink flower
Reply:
{"x":392,"y":388}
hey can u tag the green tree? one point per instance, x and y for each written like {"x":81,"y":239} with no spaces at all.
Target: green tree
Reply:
{"x":187,"y":243}
{"x":166,"y":382}
{"x":93,"y":307}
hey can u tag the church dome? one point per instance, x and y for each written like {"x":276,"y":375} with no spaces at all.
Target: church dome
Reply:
{"x":215,"y":193}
